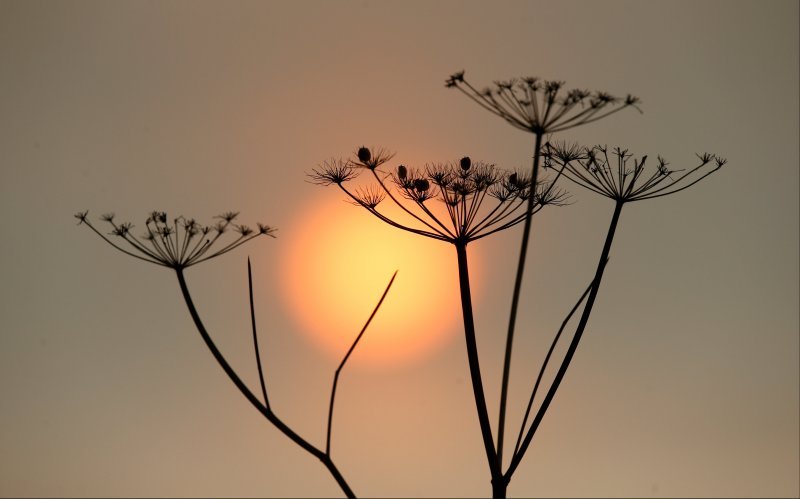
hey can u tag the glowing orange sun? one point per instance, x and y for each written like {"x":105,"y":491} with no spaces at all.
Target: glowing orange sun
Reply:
{"x":336,"y":261}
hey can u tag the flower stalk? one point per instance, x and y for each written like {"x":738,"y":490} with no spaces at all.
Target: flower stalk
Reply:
{"x":185,"y":243}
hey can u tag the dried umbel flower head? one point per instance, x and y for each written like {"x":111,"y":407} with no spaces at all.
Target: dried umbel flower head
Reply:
{"x":333,"y":171}
{"x":541,"y":106}
{"x":179,"y":244}
{"x":462,"y":187}
{"x":620,"y":176}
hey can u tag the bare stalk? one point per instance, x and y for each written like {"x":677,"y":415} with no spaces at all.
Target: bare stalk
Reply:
{"x":474,"y":364}
{"x":347,"y":356}
{"x":587,"y":310}
{"x":512,"y":320}
{"x":545,"y":363}
{"x":255,"y":334}
{"x":263,"y":409}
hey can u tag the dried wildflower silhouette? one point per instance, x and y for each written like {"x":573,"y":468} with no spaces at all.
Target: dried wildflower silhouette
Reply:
{"x":179,"y":244}
{"x":478,"y":199}
{"x":458,"y":203}
{"x":463,"y":187}
{"x":541,"y":107}
{"x":624,"y":179}
{"x":184,"y":243}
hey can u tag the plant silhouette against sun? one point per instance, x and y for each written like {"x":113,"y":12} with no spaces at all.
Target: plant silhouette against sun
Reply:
{"x":458,"y":203}
{"x":541,"y":107}
{"x":182,"y":243}
{"x":448,"y":202}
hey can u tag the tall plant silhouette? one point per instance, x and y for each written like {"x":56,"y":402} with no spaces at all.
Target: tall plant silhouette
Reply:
{"x":182,"y":243}
{"x":462,"y":190}
{"x":540,"y":107}
{"x":458,"y":203}
{"x":448,"y":202}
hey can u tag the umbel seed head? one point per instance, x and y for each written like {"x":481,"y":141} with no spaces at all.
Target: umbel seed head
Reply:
{"x":363,"y":154}
{"x":466,"y":163}
{"x":402,"y":173}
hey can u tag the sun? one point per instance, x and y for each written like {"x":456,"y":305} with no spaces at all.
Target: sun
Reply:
{"x":336,"y":262}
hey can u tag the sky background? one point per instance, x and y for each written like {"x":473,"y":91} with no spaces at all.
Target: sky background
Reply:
{"x":686,"y":381}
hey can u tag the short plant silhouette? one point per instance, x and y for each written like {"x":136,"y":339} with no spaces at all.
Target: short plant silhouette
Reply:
{"x":457,"y":202}
{"x":538,"y":107}
{"x":184,"y":243}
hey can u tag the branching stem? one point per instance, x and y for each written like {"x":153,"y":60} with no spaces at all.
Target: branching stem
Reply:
{"x":263,"y":409}
{"x":587,"y":310}
{"x":347,"y":356}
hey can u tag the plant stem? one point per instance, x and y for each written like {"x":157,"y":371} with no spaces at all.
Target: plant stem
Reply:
{"x":255,"y":334}
{"x":499,"y":488}
{"x":512,"y":320}
{"x":344,"y":360}
{"x":271,"y":417}
{"x":587,"y":310}
{"x":544,"y":365}
{"x":472,"y":356}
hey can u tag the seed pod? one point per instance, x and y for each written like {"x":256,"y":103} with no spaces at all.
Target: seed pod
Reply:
{"x":402,"y":173}
{"x":364,"y":154}
{"x":466,"y":163}
{"x":512,"y":179}
{"x":421,"y":184}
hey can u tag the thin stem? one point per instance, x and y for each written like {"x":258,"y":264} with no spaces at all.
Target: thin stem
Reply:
{"x":472,"y":356}
{"x":271,"y":417}
{"x":347,"y":356}
{"x":523,"y":253}
{"x":587,"y":310}
{"x":255,"y":335}
{"x":544,"y":365}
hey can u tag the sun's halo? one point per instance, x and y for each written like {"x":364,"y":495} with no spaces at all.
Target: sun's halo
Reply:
{"x":336,"y":262}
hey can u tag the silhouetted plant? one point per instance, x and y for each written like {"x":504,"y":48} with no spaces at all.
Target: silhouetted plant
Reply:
{"x":458,"y":203}
{"x":183,"y":243}
{"x":623,"y":179}
{"x":539,"y":107}
{"x":462,"y":188}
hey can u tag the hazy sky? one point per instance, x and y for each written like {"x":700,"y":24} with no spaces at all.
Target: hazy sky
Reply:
{"x":686,"y":382}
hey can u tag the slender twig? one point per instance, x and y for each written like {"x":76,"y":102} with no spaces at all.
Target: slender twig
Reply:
{"x":255,"y":335}
{"x":347,"y":356}
{"x":545,"y":362}
{"x":523,"y":253}
{"x":263,"y":409}
{"x":587,"y":310}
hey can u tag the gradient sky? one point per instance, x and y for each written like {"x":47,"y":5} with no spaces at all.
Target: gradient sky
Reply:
{"x":685,"y":384}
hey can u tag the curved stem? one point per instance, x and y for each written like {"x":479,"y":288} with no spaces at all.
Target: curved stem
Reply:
{"x":587,"y":310}
{"x":344,"y":360}
{"x":271,"y":417}
{"x":255,"y":334}
{"x":472,"y":356}
{"x":544,"y":365}
{"x":512,"y":320}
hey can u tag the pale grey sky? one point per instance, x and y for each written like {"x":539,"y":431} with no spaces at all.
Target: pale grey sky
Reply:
{"x":686,"y":382}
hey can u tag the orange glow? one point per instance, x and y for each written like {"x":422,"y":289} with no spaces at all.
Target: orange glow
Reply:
{"x":337,"y":260}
